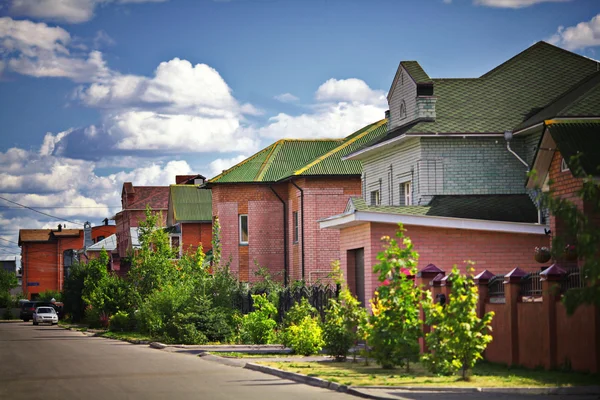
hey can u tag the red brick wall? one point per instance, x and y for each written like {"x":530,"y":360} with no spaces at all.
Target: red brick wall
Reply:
{"x":192,"y":234}
{"x":497,"y":252}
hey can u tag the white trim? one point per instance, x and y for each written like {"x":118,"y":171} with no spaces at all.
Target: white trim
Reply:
{"x":240,"y":229}
{"x":343,"y":220}
{"x":399,"y":139}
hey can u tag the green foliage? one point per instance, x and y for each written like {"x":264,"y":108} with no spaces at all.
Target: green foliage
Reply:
{"x":458,"y":336}
{"x":578,"y":229}
{"x":120,"y":322}
{"x":48,"y":295}
{"x":342,"y":320}
{"x":306,"y":337}
{"x":258,"y":327}
{"x":395,"y":326}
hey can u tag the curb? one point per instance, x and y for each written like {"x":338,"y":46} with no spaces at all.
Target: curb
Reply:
{"x":307,"y":380}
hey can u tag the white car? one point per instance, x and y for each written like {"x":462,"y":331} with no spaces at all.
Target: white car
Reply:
{"x":45,"y":315}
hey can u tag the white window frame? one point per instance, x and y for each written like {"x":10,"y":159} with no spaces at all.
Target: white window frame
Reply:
{"x":407,"y":189}
{"x":564,"y":167}
{"x":377,"y":194}
{"x":240,"y":229}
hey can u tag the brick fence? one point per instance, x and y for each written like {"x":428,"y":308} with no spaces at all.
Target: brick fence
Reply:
{"x":531,"y":327}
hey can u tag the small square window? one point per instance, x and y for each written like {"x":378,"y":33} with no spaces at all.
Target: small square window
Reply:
{"x":375,"y":198}
{"x":563,"y":165}
{"x":295,"y":225}
{"x":243,"y":229}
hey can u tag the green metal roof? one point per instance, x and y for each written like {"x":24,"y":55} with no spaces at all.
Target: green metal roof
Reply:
{"x":191,"y":203}
{"x":416,"y":72}
{"x":508,"y":95}
{"x":504,"y":207}
{"x":581,"y":138}
{"x":277,"y":161}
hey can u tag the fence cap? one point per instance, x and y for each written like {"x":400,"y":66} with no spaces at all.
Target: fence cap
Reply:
{"x":515,"y":275}
{"x":437,"y":280}
{"x":553,"y":272}
{"x":430,"y":270}
{"x":484,"y":276}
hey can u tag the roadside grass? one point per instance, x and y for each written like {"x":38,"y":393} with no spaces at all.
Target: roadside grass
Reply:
{"x":127,"y":336}
{"x":235,"y":354}
{"x":483,"y":375}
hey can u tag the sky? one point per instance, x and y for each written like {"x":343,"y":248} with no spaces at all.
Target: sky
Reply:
{"x":94,"y":93}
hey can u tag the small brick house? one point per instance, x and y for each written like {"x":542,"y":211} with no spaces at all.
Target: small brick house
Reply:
{"x":46,"y":255}
{"x":453,"y":163}
{"x":269,"y":204}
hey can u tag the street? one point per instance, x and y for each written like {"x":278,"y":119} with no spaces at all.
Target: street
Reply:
{"x":46,"y":362}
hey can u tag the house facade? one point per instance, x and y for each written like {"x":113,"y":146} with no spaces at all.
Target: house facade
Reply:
{"x":452,"y":167}
{"x":47,"y":254}
{"x":269,"y":205}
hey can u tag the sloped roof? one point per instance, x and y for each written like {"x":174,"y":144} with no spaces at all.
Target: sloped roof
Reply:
{"x":189,"y":203}
{"x":157,"y":197}
{"x":578,"y":138}
{"x":508,"y":95}
{"x":109,"y":244}
{"x":331,"y":163}
{"x":503,"y":207}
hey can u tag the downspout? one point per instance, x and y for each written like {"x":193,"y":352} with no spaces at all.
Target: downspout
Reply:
{"x":285,"y":241}
{"x":302,"y":230}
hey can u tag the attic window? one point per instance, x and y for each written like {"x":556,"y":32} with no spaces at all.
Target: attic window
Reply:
{"x":402,"y":110}
{"x":563,"y":165}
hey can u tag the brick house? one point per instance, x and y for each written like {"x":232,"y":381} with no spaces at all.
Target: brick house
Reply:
{"x":269,"y":204}
{"x":189,"y":216}
{"x":47,"y":254}
{"x":453,"y":163}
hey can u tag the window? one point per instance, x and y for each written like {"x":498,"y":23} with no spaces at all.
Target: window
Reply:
{"x":563,"y":165}
{"x":243,"y":229}
{"x":175,"y":241}
{"x":375,"y":198}
{"x":406,"y":194}
{"x":295,"y":224}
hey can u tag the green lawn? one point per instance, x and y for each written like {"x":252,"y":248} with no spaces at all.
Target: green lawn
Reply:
{"x":128,"y":336}
{"x":484,"y":375}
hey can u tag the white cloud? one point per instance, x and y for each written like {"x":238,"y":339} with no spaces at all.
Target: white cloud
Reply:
{"x":580,"y":36}
{"x":71,"y":11}
{"x":514,"y":3}
{"x":220,"y":164}
{"x":286,"y":98}
{"x":38,"y":50}
{"x":352,"y":90}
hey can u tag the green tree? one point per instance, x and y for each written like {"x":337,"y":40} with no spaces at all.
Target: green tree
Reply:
{"x":458,"y":336}
{"x":395,"y":326}
{"x":581,"y":229}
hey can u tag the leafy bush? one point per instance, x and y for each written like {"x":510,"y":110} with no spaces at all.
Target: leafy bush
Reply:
{"x":306,"y":337}
{"x":458,"y":336}
{"x":342,"y":319}
{"x":120,"y":321}
{"x":395,"y":326}
{"x":258,"y":327}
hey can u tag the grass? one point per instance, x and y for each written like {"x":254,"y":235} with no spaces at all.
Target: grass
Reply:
{"x":483,"y":375}
{"x":128,"y":336}
{"x":235,"y":354}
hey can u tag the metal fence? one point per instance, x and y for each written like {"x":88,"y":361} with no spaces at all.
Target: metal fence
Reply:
{"x":496,"y":286}
{"x":531,"y":285}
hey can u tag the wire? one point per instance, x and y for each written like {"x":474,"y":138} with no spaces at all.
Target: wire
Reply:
{"x":40,"y":212}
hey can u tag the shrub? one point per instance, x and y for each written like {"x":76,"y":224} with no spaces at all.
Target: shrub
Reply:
{"x":395,"y":326}
{"x":305,"y":338}
{"x":258,"y":327}
{"x":458,"y":336}
{"x":120,"y":322}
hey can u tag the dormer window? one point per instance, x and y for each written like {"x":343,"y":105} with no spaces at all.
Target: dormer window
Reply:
{"x":402,"y":110}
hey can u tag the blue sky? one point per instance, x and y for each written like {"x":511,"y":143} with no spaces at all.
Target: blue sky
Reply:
{"x":96,"y":92}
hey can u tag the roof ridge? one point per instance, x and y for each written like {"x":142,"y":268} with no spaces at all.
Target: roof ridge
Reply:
{"x":370,"y":128}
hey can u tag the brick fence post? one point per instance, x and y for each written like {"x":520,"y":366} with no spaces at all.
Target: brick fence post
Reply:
{"x":481,"y":280}
{"x":551,"y":278}
{"x":512,"y":287}
{"x":423,"y":280}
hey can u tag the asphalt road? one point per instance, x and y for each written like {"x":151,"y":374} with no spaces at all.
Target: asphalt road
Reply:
{"x":44,"y":362}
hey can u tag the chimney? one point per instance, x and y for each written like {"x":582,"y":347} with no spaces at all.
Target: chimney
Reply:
{"x":59,"y":227}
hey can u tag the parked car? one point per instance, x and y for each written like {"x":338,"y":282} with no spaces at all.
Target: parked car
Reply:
{"x":28,"y":308}
{"x":45,"y":315}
